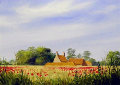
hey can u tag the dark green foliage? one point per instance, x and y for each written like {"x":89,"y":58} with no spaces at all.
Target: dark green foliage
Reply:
{"x":12,"y":79}
{"x":98,"y":79}
{"x":113,"y":58}
{"x":57,"y":81}
{"x":4,"y":62}
{"x":103,"y":62}
{"x":34,"y":56}
{"x":0,"y":61}
{"x":93,"y":61}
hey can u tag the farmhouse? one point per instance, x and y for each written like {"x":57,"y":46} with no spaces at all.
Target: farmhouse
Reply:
{"x":61,"y":60}
{"x":88,"y":63}
{"x":78,"y":61}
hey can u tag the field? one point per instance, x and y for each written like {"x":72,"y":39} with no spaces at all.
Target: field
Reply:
{"x":56,"y":75}
{"x":35,"y":72}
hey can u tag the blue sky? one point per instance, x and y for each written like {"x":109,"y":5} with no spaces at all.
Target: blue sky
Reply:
{"x":92,"y":25}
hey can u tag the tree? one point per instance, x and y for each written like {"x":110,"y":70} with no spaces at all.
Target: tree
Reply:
{"x":32,"y":55}
{"x":5,"y":62}
{"x":21,"y":57}
{"x":70,"y":53}
{"x":79,"y":55}
{"x":93,"y":61}
{"x":86,"y":55}
{"x":12,"y":62}
{"x":103,"y":62}
{"x":0,"y":61}
{"x":113,"y":58}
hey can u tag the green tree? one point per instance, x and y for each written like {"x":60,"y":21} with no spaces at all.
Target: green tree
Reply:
{"x":93,"y":61}
{"x":32,"y":55}
{"x":103,"y":62}
{"x":40,"y":60}
{"x":70,"y":53}
{"x":5,"y":62}
{"x":113,"y":58}
{"x":12,"y":62}
{"x":86,"y":55}
{"x":0,"y":61}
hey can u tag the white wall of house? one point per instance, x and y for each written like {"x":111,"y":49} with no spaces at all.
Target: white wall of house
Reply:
{"x":56,"y":59}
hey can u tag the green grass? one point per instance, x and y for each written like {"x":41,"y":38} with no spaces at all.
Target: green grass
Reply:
{"x":13,"y":79}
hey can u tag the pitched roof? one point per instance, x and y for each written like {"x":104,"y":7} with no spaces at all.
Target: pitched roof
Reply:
{"x":60,"y":64}
{"x":88,"y":63}
{"x":62,"y":58}
{"x":77,"y":61}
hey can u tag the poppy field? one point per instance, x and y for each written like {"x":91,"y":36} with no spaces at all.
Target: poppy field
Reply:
{"x":59,"y":75}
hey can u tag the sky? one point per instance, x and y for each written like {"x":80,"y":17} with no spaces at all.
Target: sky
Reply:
{"x":92,"y":25}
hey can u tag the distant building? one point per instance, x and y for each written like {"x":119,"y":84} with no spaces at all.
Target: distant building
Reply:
{"x":78,"y":61}
{"x":88,"y":63}
{"x":61,"y":60}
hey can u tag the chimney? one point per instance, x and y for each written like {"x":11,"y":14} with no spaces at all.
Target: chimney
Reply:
{"x":57,"y":53}
{"x":64,"y":53}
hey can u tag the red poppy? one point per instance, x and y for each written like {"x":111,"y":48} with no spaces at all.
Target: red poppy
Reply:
{"x":37,"y":73}
{"x":76,"y":72}
{"x":32,"y":74}
{"x":97,"y":72}
{"x":46,"y":74}
{"x":73,"y":75}
{"x":40,"y":75}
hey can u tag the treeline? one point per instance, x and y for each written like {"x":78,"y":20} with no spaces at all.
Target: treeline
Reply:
{"x":112,"y":58}
{"x":31,"y":56}
{"x":42,"y":55}
{"x":5,"y":62}
{"x":86,"y":55}
{"x":34,"y":56}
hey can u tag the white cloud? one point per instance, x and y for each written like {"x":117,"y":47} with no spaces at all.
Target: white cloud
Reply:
{"x":25,"y":13}
{"x":10,"y":22}
{"x":4,"y":21}
{"x":59,"y":32}
{"x":105,"y":41}
{"x":54,"y":8}
{"x":106,"y":10}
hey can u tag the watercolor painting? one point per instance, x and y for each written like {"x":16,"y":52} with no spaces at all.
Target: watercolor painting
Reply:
{"x":59,"y":42}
